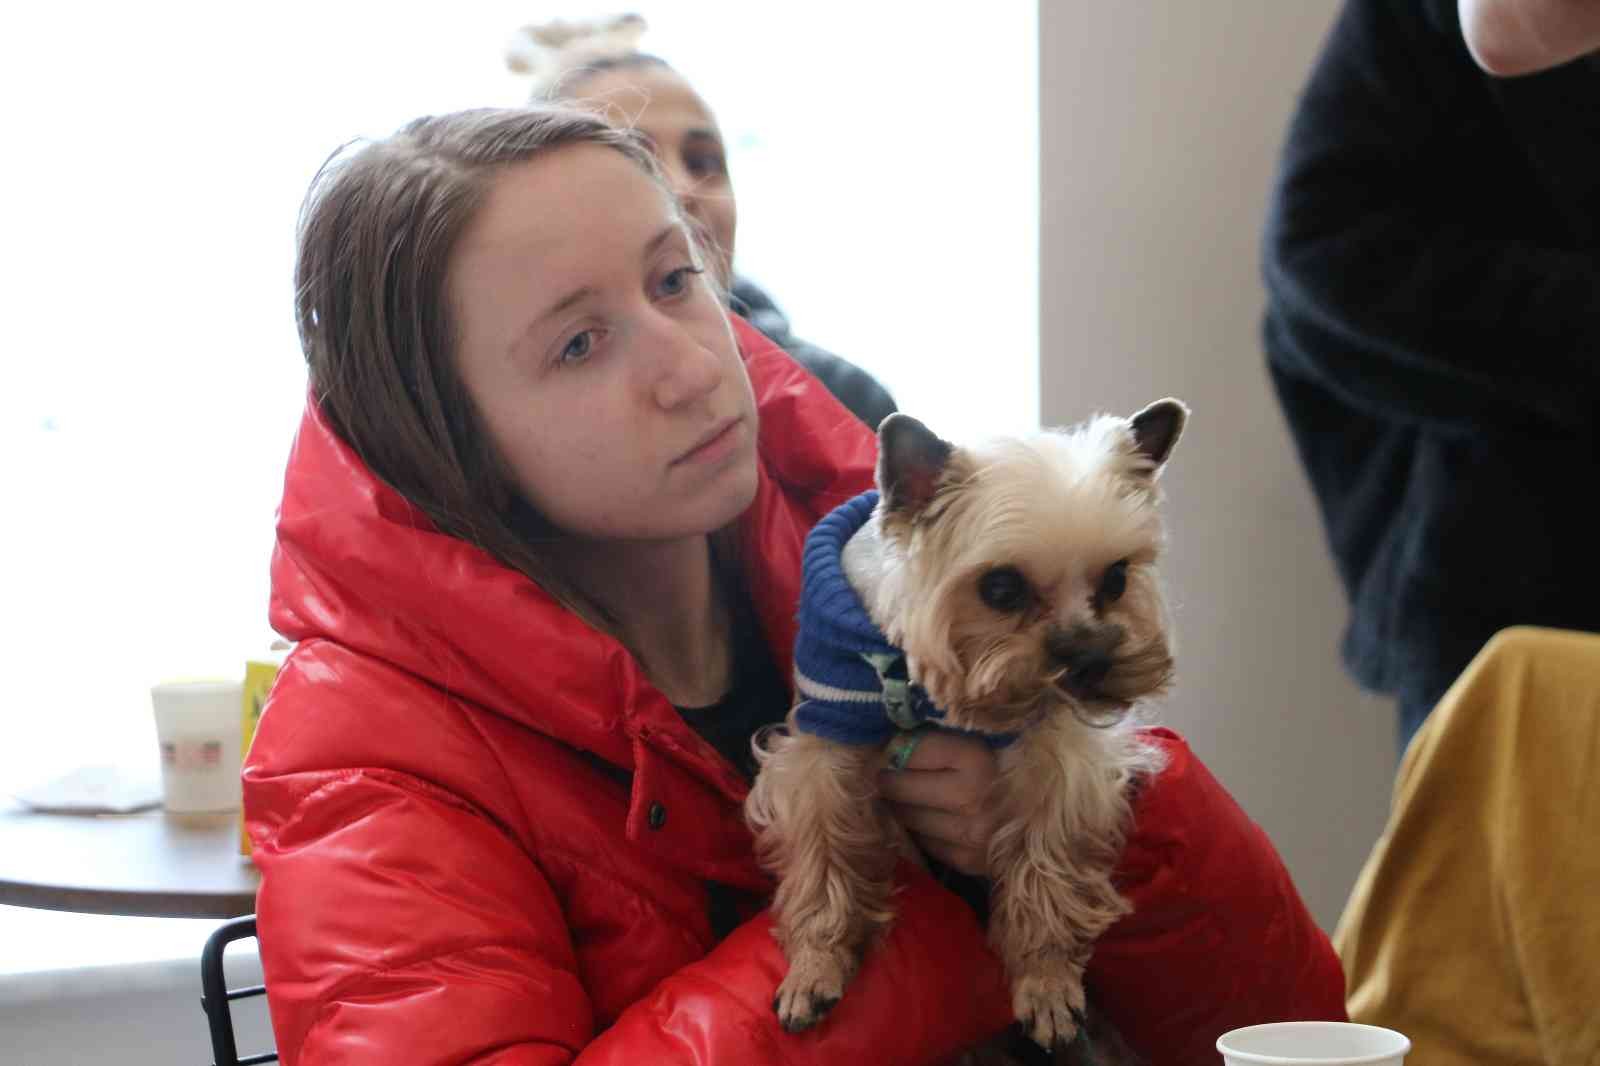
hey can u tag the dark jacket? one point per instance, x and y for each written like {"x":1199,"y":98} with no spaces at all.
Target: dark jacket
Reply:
{"x":484,"y":836}
{"x":851,"y":385}
{"x":1433,"y":332}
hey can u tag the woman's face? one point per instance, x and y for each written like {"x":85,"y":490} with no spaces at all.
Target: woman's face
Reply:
{"x":600,"y":360}
{"x":683,"y":133}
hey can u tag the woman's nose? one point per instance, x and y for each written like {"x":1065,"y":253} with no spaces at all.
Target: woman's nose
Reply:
{"x":688,"y":370}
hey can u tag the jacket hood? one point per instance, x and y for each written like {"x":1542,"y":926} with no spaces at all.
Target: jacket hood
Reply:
{"x":358,"y":564}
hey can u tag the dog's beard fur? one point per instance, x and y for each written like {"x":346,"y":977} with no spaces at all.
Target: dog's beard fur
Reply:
{"x":1063,"y":663}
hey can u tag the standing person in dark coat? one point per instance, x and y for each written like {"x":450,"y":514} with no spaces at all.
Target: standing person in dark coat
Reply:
{"x":1433,"y":332}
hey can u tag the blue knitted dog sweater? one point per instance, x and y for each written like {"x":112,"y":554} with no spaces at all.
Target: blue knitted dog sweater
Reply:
{"x":851,"y":681}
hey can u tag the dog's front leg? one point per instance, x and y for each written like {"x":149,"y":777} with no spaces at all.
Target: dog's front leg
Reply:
{"x":821,"y":829}
{"x":1051,"y":861}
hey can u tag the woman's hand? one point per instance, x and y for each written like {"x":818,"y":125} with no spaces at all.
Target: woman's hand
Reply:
{"x":941,"y":795}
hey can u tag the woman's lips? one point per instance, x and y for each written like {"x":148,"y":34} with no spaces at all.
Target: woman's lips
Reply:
{"x":714,"y":445}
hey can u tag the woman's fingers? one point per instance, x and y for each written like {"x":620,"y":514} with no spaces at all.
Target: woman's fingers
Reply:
{"x":960,"y":841}
{"x":945,"y":789}
{"x":933,"y":824}
{"x":937,"y":785}
{"x":941,"y":770}
{"x":934,"y":750}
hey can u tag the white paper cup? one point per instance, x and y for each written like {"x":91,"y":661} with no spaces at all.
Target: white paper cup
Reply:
{"x":1306,"y":1043}
{"x":198,"y":729}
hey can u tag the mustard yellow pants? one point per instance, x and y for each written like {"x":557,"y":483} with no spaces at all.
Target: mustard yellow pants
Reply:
{"x":1475,"y":926}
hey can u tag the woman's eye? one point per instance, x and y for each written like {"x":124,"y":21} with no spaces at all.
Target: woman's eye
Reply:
{"x":677,"y":282}
{"x":1115,"y":582}
{"x":1003,"y":589}
{"x":705,"y":166}
{"x":578,"y":348}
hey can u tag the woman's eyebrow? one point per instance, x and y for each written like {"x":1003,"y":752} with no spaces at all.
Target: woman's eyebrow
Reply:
{"x":576,"y":296}
{"x":654,"y":244}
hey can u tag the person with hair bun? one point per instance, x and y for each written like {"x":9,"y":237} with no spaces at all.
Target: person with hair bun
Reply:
{"x":598,"y":63}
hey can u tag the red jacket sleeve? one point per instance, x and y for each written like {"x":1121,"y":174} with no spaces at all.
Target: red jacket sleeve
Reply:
{"x":928,"y":990}
{"x":398,"y":924}
{"x":1219,"y":937}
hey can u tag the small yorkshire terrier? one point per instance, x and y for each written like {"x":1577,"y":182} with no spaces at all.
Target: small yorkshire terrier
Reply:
{"x":1007,"y":590}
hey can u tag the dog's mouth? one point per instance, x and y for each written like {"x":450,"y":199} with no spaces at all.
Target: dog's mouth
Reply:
{"x":1092,"y":705}
{"x":1086,"y":688}
{"x":1111,"y":686}
{"x":1078,"y":692}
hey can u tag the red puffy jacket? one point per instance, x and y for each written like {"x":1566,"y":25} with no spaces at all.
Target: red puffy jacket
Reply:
{"x":484,"y":837}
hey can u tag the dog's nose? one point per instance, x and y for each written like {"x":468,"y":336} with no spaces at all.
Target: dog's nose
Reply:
{"x":1086,"y":671}
{"x":1085,"y":655}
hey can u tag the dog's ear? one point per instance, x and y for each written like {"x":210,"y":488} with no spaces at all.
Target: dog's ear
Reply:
{"x":1156,"y":430}
{"x":911,"y":459}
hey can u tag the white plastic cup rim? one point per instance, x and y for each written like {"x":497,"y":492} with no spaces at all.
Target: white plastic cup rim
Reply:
{"x":1387,"y":1045}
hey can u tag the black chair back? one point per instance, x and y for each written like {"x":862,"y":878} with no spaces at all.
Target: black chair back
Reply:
{"x":216,"y":997}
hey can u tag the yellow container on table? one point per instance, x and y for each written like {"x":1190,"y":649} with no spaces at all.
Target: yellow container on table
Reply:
{"x":259,"y":674}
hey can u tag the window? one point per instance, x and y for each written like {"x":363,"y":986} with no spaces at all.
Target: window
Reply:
{"x":886,"y":162}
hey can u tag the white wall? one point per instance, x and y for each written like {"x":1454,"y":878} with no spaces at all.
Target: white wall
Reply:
{"x":1160,"y":124}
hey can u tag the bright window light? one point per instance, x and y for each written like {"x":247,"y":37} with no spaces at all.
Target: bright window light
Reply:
{"x":885,"y":157}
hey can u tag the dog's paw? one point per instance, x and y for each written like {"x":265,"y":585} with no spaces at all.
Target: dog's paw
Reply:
{"x":815,"y":982}
{"x":1048,"y":1005}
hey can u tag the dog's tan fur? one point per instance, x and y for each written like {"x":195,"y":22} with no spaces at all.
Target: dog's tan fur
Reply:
{"x":1064,"y":798}
{"x":1061,"y":508}
{"x":837,"y":844}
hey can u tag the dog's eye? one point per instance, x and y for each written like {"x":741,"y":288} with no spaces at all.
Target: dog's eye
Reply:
{"x":1115,"y":582}
{"x":1003,"y":588}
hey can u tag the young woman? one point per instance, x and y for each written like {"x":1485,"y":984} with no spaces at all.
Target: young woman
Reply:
{"x":539,"y":550}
